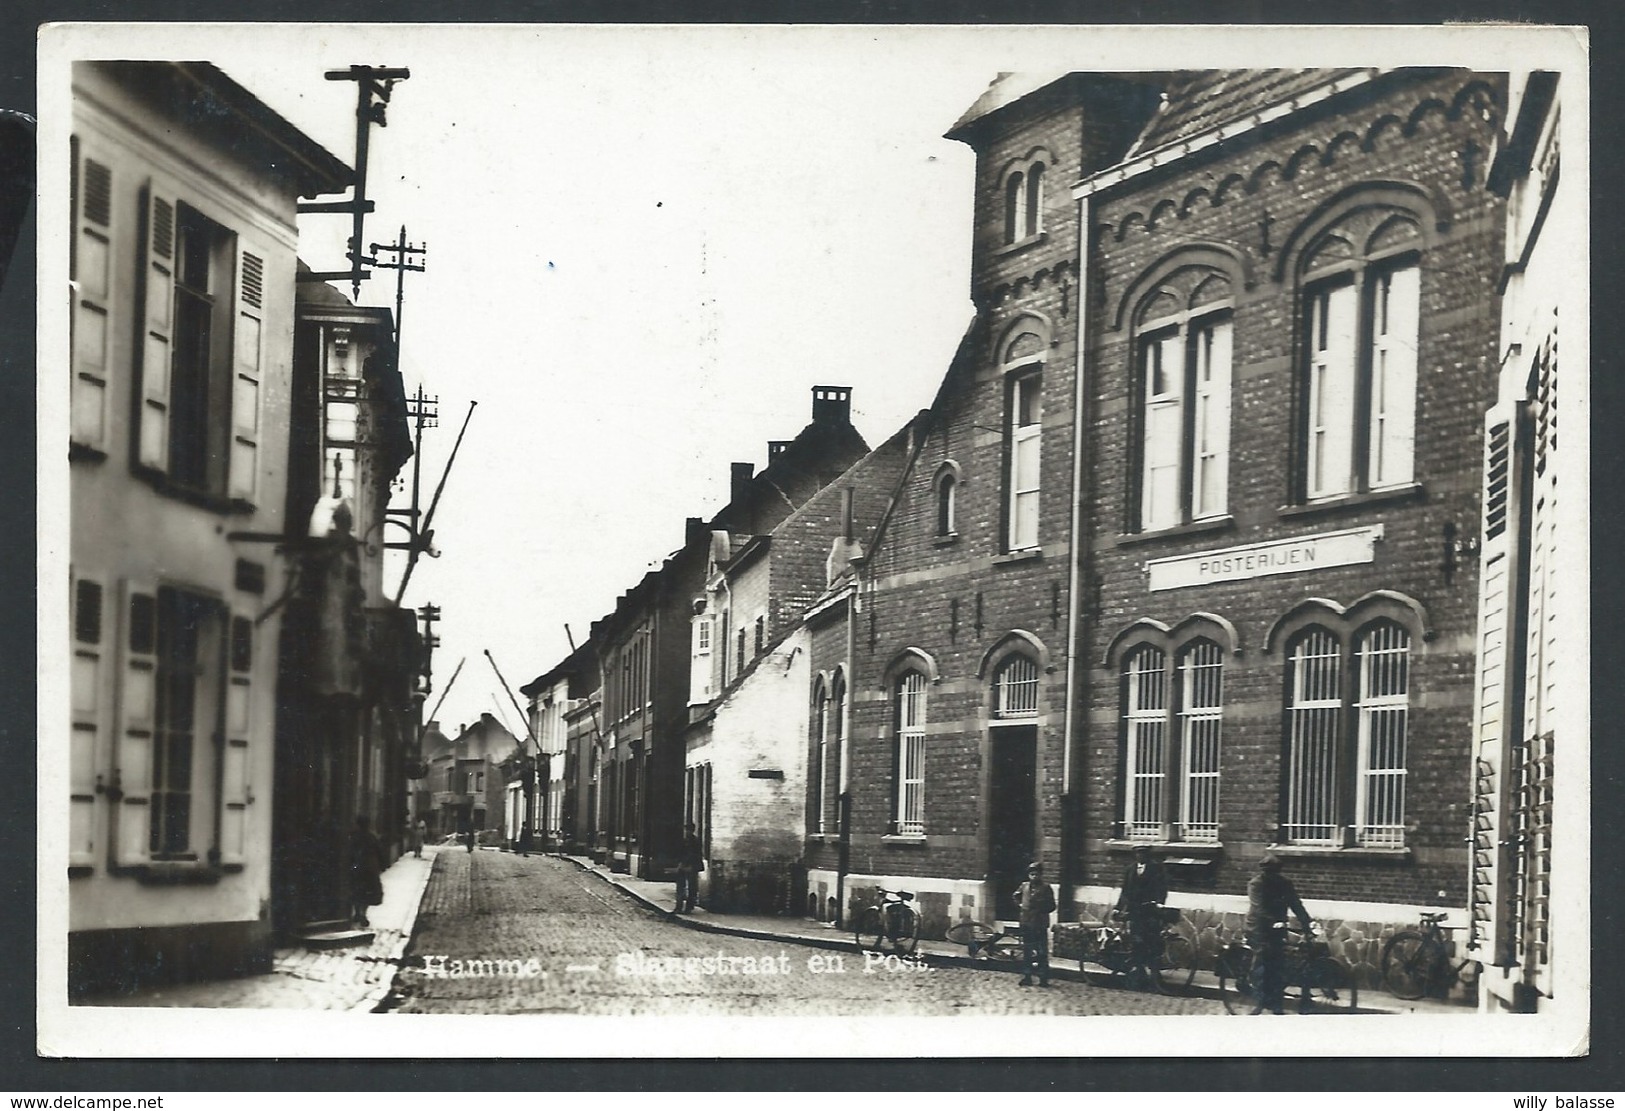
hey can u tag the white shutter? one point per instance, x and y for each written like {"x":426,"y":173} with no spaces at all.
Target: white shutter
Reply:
{"x":246,"y":372}
{"x":84,"y":755}
{"x":137,"y":723}
{"x":1395,"y":327}
{"x":92,"y":265}
{"x":1164,"y":431}
{"x":1330,"y":424}
{"x":235,"y":777}
{"x":1211,"y":474}
{"x":1494,"y":715}
{"x":157,"y":328}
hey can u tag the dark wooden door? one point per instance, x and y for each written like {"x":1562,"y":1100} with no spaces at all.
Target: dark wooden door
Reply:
{"x":1012,"y":812}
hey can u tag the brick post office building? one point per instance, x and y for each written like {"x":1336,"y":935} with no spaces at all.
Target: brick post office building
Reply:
{"x":1290,"y":327}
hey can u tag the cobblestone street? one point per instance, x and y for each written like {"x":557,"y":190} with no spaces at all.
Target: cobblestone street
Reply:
{"x":504,"y":934}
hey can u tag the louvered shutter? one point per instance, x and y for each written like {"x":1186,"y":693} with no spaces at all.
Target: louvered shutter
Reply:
{"x":243,"y":478}
{"x":236,"y":788}
{"x":157,"y":326}
{"x":85,"y":683}
{"x":1495,"y":712}
{"x":137,"y":724}
{"x":92,"y":265}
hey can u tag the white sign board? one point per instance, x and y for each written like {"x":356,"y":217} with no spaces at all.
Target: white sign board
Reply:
{"x":1270,"y":557}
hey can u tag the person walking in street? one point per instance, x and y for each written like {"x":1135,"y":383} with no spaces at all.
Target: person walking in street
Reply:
{"x":1037,"y":903}
{"x":415,"y":832}
{"x":1145,"y":890}
{"x":690,"y":863}
{"x":367,"y":866}
{"x":468,"y":838}
{"x":1270,"y":897}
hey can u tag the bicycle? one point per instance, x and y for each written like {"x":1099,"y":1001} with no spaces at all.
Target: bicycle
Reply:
{"x":891,"y":921}
{"x":1109,"y":952}
{"x":987,"y":942}
{"x":1417,"y":962}
{"x":1308,"y":966}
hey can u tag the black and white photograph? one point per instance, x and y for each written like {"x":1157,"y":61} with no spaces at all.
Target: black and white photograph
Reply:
{"x":705,"y":540}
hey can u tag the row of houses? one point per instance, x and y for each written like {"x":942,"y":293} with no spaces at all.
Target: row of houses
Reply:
{"x":241,"y":685}
{"x":1228,"y":530}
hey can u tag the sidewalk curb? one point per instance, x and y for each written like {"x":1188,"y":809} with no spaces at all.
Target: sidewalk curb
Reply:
{"x":1364,"y":1006}
{"x":373,"y":1001}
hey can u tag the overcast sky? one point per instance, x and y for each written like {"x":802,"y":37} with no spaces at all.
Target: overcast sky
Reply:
{"x":646,"y":245}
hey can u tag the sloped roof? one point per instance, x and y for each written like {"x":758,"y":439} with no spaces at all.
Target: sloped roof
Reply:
{"x":1005,"y":90}
{"x":1200,"y":100}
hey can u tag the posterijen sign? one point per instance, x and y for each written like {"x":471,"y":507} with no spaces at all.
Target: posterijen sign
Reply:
{"x":1271,"y":557}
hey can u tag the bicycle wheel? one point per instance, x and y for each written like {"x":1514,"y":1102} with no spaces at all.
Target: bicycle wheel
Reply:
{"x":1101,"y":961}
{"x":1235,"y":985}
{"x":869,"y":932}
{"x":1006,"y":950}
{"x":1328,"y":985}
{"x":1407,"y":964}
{"x":972,"y":935}
{"x":903,"y":929}
{"x":1179,"y":965}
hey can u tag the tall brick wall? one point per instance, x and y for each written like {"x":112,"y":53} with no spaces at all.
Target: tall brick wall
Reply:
{"x":1252,"y":198}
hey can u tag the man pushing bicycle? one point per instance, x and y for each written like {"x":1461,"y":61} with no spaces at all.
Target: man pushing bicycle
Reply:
{"x":1270,"y":897}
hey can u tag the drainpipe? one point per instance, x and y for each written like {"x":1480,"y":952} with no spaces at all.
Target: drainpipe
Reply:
{"x":213,"y":857}
{"x":1071,"y":810}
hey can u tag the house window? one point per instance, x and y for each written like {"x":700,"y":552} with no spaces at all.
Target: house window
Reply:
{"x":829,"y":817}
{"x":1023,"y":439}
{"x":1024,"y":198}
{"x":1314,"y":714}
{"x":1016,"y":688}
{"x":200,"y":374}
{"x":1145,"y":720}
{"x":910,"y":801}
{"x":740,"y":652}
{"x":1173,"y":699}
{"x":1359,"y":423}
{"x":1182,"y":384}
{"x":1382,"y":658}
{"x":699,"y":689}
{"x":816,"y":781}
{"x":183,"y":621}
{"x":947,"y":488}
{"x":1201,"y":697}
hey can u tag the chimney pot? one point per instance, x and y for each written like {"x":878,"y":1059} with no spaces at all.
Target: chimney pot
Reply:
{"x":739,"y":480}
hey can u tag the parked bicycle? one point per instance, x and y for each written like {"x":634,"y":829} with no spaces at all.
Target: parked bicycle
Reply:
{"x":891,"y":924}
{"x":1323,"y":982}
{"x":1417,"y":962}
{"x":1109,"y":953}
{"x":988,"y":942}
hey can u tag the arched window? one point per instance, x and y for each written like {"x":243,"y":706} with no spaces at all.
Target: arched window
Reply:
{"x":1014,"y":197}
{"x":1145,"y":725}
{"x":816,"y":781}
{"x":1183,"y":341}
{"x":1362,"y":295}
{"x":909,"y":701}
{"x":1015,"y":687}
{"x":1023,"y":197}
{"x":1035,"y":200}
{"x":1382,"y":659}
{"x":1024,"y":435}
{"x":947,"y":489}
{"x":1201,"y":711}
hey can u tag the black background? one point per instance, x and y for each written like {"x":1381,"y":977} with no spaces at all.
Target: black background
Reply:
{"x":22,"y":1072}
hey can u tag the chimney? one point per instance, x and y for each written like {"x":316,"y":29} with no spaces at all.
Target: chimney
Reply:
{"x":739,"y":480}
{"x":846,"y":512}
{"x":775,"y":448}
{"x":832,"y":405}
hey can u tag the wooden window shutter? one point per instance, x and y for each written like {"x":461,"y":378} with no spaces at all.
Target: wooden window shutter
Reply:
{"x":1496,"y":713}
{"x":91,"y":276}
{"x":236,"y":785}
{"x":243,"y":478}
{"x":84,"y":754}
{"x":137,"y":724}
{"x":157,"y":325}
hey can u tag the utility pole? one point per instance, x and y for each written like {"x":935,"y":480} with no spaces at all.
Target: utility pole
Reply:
{"x":542,"y":760}
{"x":403,"y":252}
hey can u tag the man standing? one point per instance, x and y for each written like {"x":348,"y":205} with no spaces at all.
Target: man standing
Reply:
{"x":1037,"y":903}
{"x":1145,"y":890}
{"x":1270,"y":897}
{"x":690,"y":863}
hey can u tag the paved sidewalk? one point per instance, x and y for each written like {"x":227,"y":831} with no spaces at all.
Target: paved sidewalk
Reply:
{"x":346,"y":979}
{"x":661,"y":896}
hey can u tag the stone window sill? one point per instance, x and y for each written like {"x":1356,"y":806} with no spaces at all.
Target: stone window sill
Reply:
{"x":1414,"y":492}
{"x":1026,"y":555}
{"x":1173,"y":852}
{"x":946,"y":539}
{"x":1020,"y":245}
{"x":902,"y":839}
{"x":1336,"y":852}
{"x":1193,"y":528}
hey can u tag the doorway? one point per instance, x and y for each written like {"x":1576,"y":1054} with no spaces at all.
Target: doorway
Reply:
{"x":1012,"y":812}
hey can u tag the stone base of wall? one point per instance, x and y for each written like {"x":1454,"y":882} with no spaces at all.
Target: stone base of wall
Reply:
{"x":753,"y":887}
{"x":820,"y":900}
{"x":942,"y":902}
{"x":102,"y":962}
